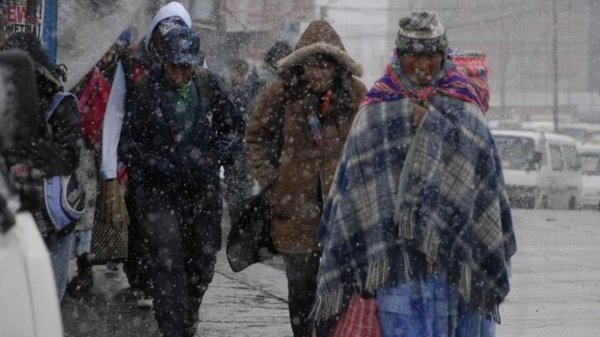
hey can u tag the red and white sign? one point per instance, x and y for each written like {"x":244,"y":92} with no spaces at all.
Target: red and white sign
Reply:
{"x":23,"y":16}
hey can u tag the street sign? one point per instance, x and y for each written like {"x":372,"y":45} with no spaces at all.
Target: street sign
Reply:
{"x":37,"y":17}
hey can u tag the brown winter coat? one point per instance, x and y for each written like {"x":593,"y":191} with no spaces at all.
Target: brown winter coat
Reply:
{"x":301,"y":180}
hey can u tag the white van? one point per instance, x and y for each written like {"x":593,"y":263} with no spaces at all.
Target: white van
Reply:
{"x":541,"y":169}
{"x":582,"y":133}
{"x":590,"y":165}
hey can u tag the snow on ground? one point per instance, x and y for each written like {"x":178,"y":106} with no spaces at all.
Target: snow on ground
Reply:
{"x":555,"y":290}
{"x":556,"y":276}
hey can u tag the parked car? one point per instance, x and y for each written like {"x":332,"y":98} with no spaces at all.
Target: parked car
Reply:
{"x":582,"y":133}
{"x":541,"y":169}
{"x":590,"y":165}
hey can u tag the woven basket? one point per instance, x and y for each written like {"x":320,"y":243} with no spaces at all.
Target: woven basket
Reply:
{"x":110,"y":233}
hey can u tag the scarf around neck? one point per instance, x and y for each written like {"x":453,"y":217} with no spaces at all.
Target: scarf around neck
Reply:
{"x":449,"y":82}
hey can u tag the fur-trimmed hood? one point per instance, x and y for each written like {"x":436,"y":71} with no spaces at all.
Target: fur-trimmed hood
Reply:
{"x":320,"y":38}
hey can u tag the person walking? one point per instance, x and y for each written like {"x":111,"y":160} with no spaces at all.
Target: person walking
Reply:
{"x":417,"y":217}
{"x":180,"y":128}
{"x":263,"y":74}
{"x":93,"y":93}
{"x":130,"y":68}
{"x":53,"y":151}
{"x":294,"y":140}
{"x":236,"y":177}
{"x":245,"y":90}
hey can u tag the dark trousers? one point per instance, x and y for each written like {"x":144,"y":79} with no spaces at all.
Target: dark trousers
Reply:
{"x":301,"y":271}
{"x":138,"y":266}
{"x":183,"y":235}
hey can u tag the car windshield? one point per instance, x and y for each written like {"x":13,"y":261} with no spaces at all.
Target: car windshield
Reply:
{"x":515,"y":152}
{"x":590,"y":163}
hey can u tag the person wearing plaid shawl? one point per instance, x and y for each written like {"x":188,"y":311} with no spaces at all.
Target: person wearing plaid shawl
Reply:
{"x":417,"y":215}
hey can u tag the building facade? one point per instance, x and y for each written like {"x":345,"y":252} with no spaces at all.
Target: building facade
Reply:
{"x":247,"y":28}
{"x":517,"y":37}
{"x":253,"y":26}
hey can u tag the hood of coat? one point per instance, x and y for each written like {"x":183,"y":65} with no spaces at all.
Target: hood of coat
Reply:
{"x":169,"y":10}
{"x":320,"y":38}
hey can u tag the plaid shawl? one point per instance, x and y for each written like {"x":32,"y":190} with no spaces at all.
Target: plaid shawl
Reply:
{"x":406,"y":203}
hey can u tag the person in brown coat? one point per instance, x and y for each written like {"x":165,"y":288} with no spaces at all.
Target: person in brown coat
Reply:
{"x":294,"y":141}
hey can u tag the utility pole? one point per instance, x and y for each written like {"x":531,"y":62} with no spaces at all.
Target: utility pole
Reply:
{"x":219,"y":18}
{"x":323,"y":12}
{"x":505,"y":56}
{"x":209,"y":19}
{"x":555,"y":64}
{"x":324,"y":8}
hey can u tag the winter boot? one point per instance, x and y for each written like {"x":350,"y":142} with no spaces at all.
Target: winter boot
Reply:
{"x":84,"y":279}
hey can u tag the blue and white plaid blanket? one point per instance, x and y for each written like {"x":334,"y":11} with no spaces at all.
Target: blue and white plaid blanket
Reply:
{"x":407,"y":203}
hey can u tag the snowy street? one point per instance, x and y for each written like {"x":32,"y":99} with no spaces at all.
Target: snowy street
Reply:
{"x":555,"y":290}
{"x":373,"y":150}
{"x":556,"y":275}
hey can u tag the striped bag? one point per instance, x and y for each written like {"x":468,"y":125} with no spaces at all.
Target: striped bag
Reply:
{"x":359,"y":320}
{"x":474,"y":64}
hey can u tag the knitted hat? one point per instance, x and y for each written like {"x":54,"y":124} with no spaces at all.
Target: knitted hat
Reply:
{"x":421,"y":33}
